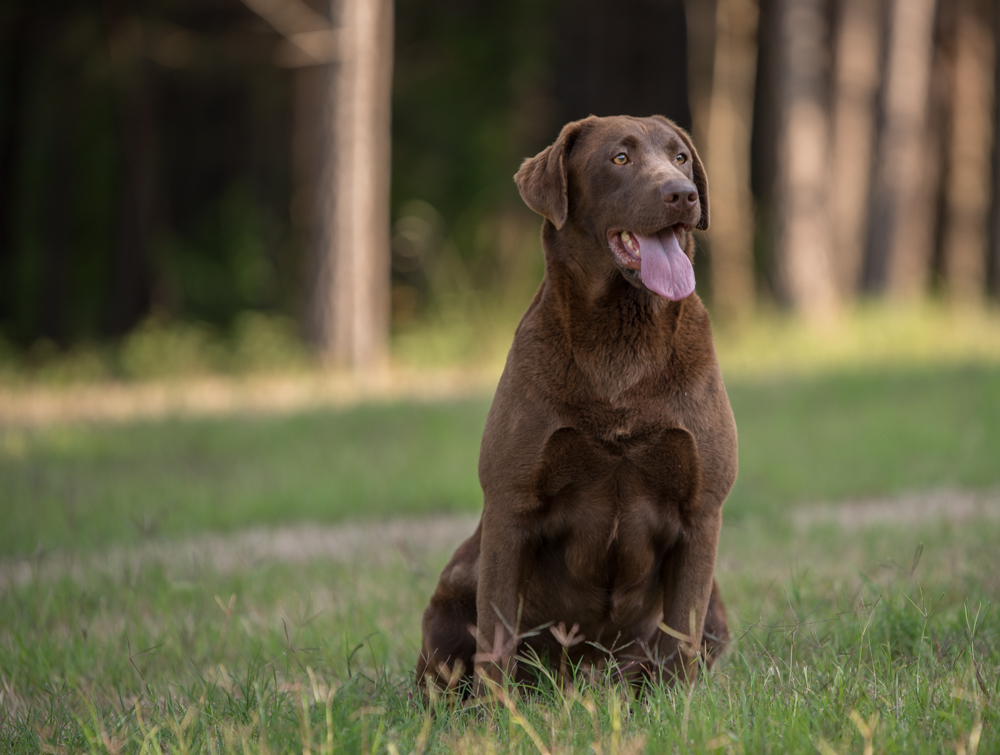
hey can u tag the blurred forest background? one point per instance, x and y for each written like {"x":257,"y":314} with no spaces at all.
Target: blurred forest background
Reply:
{"x":268,"y":170}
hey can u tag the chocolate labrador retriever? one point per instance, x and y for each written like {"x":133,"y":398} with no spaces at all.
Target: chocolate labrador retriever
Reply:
{"x":610,"y":446}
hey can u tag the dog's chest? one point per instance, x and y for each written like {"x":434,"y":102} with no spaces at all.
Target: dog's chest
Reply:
{"x":610,"y":512}
{"x":602,"y":547}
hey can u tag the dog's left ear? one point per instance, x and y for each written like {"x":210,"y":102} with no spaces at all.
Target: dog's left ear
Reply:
{"x":700,"y":177}
{"x":543,"y":181}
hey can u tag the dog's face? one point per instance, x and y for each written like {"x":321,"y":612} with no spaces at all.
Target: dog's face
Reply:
{"x":635,"y":186}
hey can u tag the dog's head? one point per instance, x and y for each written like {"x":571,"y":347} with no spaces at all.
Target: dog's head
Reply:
{"x":635,"y":186}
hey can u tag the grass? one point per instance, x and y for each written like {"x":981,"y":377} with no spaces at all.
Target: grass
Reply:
{"x":173,"y":656}
{"x":474,"y":334}
{"x":850,"y":635}
{"x":157,"y":349}
{"x":88,"y":486}
{"x":865,"y":433}
{"x":822,"y":437}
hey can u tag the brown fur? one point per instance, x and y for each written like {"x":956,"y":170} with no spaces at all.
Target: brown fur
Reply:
{"x":610,"y":446}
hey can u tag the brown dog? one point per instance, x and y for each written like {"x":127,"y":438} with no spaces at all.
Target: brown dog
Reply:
{"x":610,"y":446}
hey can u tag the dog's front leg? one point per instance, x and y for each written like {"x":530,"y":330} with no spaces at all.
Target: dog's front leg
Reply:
{"x":499,"y":600}
{"x":688,"y":575}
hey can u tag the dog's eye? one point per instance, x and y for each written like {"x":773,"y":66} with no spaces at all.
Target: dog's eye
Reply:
{"x":620,"y":159}
{"x":681,"y":158}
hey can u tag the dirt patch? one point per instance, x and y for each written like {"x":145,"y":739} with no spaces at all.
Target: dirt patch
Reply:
{"x":374,"y":543}
{"x":908,"y":509}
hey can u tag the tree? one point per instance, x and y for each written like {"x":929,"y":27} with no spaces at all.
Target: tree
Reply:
{"x":967,"y":183}
{"x":728,"y":157}
{"x":802,"y":243}
{"x":900,"y":229}
{"x":855,"y":89}
{"x":349,"y":308}
{"x":343,"y":150}
{"x":993,"y":263}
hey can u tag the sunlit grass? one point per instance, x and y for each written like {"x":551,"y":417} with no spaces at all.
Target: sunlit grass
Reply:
{"x":771,"y":342}
{"x":472,"y":336}
{"x":869,"y":336}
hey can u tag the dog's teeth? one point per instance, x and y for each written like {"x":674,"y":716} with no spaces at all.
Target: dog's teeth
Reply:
{"x":629,"y":242}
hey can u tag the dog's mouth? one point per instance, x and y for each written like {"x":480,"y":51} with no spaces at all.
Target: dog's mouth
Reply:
{"x":659,"y":259}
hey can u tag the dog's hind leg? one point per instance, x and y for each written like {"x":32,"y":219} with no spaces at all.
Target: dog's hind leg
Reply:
{"x":716,"y":632}
{"x":449,"y":622}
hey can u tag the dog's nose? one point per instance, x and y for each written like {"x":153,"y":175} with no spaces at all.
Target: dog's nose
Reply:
{"x":678,"y":194}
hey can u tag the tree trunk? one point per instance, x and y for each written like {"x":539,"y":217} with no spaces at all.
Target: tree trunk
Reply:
{"x":764,"y":142}
{"x":700,"y":16}
{"x":349,"y":311}
{"x":855,"y":92}
{"x":968,"y":180}
{"x":802,"y":248}
{"x":728,"y":158}
{"x":901,"y":222}
{"x":993,"y":264}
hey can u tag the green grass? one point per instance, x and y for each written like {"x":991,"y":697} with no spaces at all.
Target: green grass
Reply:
{"x":86,"y":486}
{"x":809,"y":438}
{"x":113,"y":640}
{"x":870,"y":433}
{"x":268,"y":658}
{"x":475,"y":332}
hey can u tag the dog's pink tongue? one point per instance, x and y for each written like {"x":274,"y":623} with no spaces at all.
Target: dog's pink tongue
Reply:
{"x":664,"y":267}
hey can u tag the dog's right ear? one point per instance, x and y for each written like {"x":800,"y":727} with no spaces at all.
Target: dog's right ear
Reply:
{"x":542,"y":179}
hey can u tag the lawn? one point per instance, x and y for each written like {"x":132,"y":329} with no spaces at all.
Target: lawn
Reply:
{"x":821,"y":437}
{"x":858,"y":561}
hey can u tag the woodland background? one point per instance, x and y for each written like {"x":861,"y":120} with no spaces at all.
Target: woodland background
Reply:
{"x":194,"y":161}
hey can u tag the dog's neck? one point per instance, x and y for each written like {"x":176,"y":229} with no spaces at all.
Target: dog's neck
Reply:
{"x":617,"y":333}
